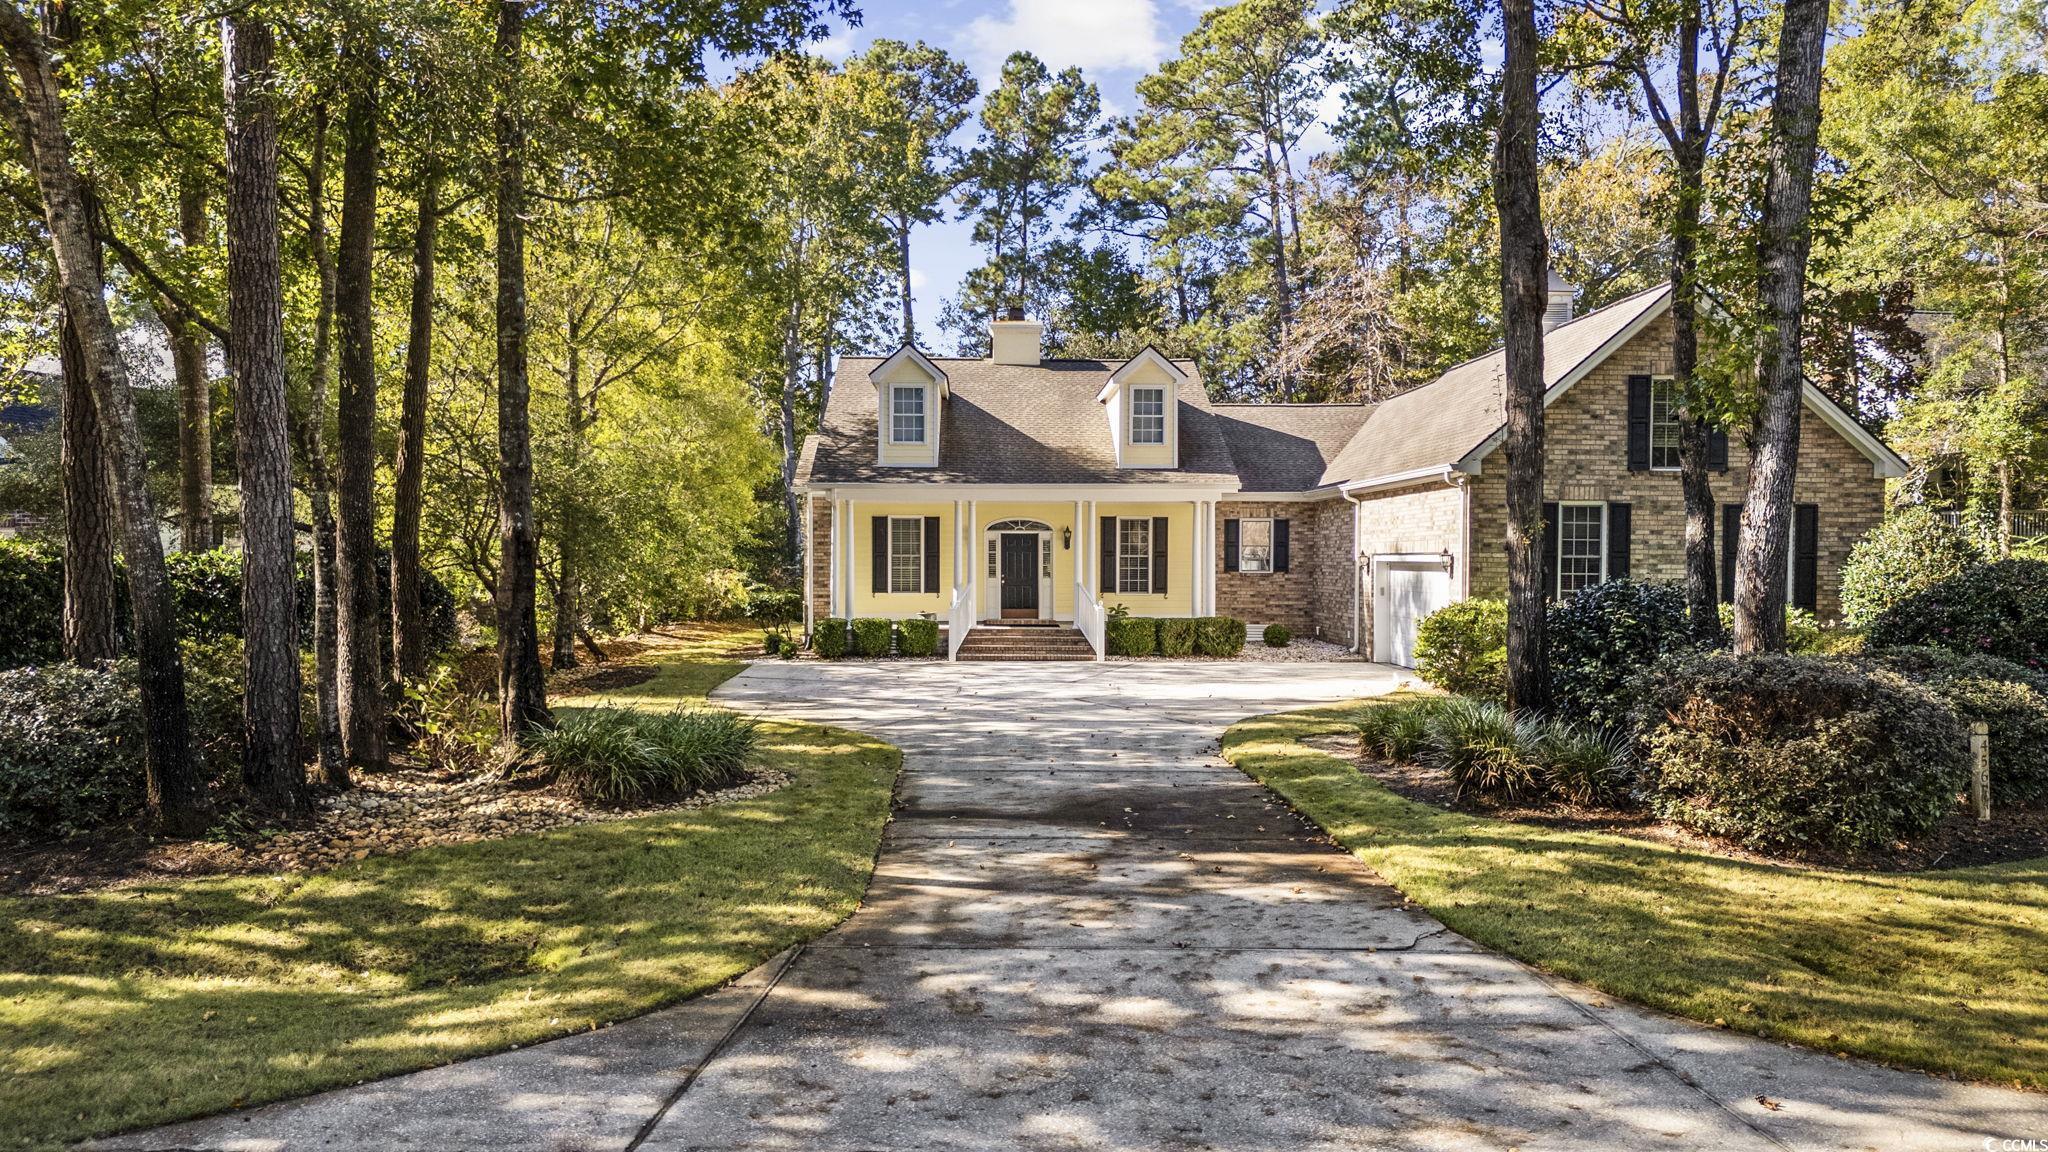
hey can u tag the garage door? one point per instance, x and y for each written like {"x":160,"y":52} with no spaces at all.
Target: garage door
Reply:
{"x":1404,"y":591}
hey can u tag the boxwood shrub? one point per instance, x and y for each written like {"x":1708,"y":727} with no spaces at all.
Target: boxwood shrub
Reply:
{"x":1797,"y":752}
{"x":1276,"y":636}
{"x":871,"y":636}
{"x":1994,"y":610}
{"x":918,"y":637}
{"x":2011,"y":699}
{"x":829,"y":638}
{"x":1462,"y":648}
{"x":1601,"y":637}
{"x":1177,"y":637}
{"x":1221,"y":636}
{"x":1132,"y":635}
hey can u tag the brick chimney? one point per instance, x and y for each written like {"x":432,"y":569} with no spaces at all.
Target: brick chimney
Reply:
{"x":1014,"y":339}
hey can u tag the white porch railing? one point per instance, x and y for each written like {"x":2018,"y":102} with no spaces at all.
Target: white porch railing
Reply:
{"x":1088,"y":618}
{"x":959,"y":618}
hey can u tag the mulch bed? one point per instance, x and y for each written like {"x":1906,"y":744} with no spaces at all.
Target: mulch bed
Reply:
{"x":1959,"y":841}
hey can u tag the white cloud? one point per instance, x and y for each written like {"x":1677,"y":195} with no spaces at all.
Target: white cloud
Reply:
{"x":1095,"y":35}
{"x":916,"y":279}
{"x":836,"y":46}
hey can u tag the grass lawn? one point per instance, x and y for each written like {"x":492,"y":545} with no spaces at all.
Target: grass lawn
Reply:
{"x":1942,"y":971}
{"x":153,"y":1003}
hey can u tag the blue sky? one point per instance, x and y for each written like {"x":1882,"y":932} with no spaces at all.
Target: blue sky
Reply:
{"x":1114,"y":41}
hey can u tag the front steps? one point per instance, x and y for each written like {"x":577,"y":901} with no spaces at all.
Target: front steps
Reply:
{"x":1025,"y":640}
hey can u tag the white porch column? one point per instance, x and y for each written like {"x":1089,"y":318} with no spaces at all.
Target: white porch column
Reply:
{"x":846,"y":567}
{"x":1195,"y":569}
{"x":810,"y":575}
{"x":974,"y":555}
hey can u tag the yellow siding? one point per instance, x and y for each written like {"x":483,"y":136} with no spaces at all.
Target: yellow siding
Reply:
{"x":1060,"y":517}
{"x":894,"y":605}
{"x":1147,"y":455}
{"x":925,"y":454}
{"x":1180,"y":556}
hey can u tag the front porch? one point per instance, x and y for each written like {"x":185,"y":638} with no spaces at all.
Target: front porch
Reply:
{"x":974,"y":561}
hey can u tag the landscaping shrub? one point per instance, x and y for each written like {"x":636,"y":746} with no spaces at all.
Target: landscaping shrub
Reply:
{"x":1805,"y":635}
{"x":1483,"y":748}
{"x":2011,"y":699}
{"x":828,"y":639}
{"x":1396,"y":731}
{"x":206,"y":588}
{"x":70,"y":748}
{"x":918,"y":637}
{"x":1132,"y":635}
{"x":449,"y":726}
{"x":1601,"y":637}
{"x":775,"y":605}
{"x":31,"y":604}
{"x":871,"y":636}
{"x":1177,"y":637}
{"x":621,"y":756}
{"x":771,"y":642}
{"x":1219,"y":636}
{"x":1581,"y":763}
{"x":1462,"y":648}
{"x":1909,"y":551}
{"x":1797,"y":751}
{"x":1996,"y":609}
{"x":1277,"y":636}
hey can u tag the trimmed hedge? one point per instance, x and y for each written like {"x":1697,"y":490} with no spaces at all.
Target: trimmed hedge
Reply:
{"x":1798,"y":751}
{"x":1462,"y":648}
{"x":1276,"y":636}
{"x":1601,"y":637}
{"x":829,"y":638}
{"x":871,"y":636}
{"x":1177,"y":637}
{"x":1219,"y":636}
{"x":2011,"y":699}
{"x":918,"y":637}
{"x":1993,"y":610}
{"x":1132,"y":635}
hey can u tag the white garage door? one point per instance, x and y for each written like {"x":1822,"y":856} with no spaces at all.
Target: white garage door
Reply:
{"x":1404,"y":591}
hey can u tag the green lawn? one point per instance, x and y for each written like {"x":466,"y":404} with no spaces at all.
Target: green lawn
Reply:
{"x":1940,"y":970}
{"x":154,"y":1003}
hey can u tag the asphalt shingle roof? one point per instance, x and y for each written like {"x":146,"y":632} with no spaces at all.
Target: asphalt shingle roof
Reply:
{"x":1287,"y":447}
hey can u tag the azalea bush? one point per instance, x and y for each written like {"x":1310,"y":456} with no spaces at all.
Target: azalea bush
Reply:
{"x":1601,"y":637}
{"x":2010,"y":699}
{"x":1996,"y":609}
{"x":1909,"y":551}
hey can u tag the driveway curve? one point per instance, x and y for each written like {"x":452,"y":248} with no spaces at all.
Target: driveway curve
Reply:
{"x":1086,"y":931}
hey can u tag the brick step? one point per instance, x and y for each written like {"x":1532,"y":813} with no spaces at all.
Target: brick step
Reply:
{"x":1027,"y":642}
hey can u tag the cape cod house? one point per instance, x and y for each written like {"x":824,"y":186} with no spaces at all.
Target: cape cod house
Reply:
{"x":1015,"y":490}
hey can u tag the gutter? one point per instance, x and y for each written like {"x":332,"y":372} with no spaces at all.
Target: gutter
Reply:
{"x":1448,"y":473}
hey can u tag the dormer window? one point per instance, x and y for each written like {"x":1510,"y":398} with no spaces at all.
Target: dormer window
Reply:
{"x":906,"y":414}
{"x":1148,"y":415}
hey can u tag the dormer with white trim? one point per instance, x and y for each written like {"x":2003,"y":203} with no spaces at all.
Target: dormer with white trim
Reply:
{"x":910,"y":395}
{"x":1142,"y":401}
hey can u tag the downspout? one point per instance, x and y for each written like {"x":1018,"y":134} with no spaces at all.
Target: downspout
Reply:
{"x":1358,"y":563}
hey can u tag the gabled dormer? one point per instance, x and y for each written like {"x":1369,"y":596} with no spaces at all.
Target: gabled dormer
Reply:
{"x":910,"y":394}
{"x":1142,"y":400}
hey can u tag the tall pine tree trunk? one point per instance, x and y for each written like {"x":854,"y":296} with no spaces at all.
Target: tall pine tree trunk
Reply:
{"x":1524,"y":281}
{"x":568,"y":538}
{"x":319,"y":480}
{"x":1688,"y":138}
{"x":408,"y":643}
{"x":792,"y":383}
{"x":90,"y":629}
{"x":175,"y":793}
{"x":903,"y":274}
{"x":270,"y":617}
{"x":1760,"y":559}
{"x":522,"y":685}
{"x":359,"y":670}
{"x":195,"y":391}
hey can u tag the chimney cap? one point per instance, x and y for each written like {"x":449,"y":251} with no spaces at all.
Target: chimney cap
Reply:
{"x":1013,"y":312}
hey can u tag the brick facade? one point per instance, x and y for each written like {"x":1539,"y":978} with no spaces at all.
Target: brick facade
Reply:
{"x":819,"y":575}
{"x":1586,"y":454}
{"x":1422,"y":520}
{"x":1334,"y":574}
{"x":1260,"y":598}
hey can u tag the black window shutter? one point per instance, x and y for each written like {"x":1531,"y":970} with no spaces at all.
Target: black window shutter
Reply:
{"x":1159,"y":555}
{"x":1731,"y":528}
{"x":1717,"y":448}
{"x":1617,"y":541}
{"x":1549,"y":549}
{"x":1806,"y":556}
{"x":1230,"y":544}
{"x":1639,"y":423}
{"x":1279,"y":545}
{"x":931,"y":554}
{"x":881,"y":554}
{"x":1107,"y":545}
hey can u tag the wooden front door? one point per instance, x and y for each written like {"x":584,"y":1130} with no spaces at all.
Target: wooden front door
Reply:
{"x":1020,"y":575}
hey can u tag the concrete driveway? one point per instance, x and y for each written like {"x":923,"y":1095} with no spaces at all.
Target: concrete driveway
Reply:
{"x":1088,"y":932}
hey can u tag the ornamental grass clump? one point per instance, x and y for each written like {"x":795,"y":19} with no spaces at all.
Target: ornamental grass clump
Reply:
{"x":619,"y":756}
{"x":1396,"y":731}
{"x":1583,"y":764}
{"x":1484,"y":749}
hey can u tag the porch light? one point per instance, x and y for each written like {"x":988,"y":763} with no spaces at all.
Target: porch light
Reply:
{"x":1449,"y":560}
{"x":1066,"y":539}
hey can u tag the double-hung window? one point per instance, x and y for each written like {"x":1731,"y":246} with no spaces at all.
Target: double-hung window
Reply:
{"x":1664,"y":408}
{"x":1148,"y":415}
{"x":906,"y":554}
{"x":1134,"y":555}
{"x":1581,"y":547}
{"x":1255,"y":545}
{"x":906,"y":414}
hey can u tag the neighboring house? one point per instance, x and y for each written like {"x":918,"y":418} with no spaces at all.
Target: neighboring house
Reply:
{"x":1013,"y":490}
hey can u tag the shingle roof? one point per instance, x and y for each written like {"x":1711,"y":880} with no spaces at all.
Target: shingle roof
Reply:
{"x":1442,"y":421}
{"x":1011,"y":424}
{"x":1287,"y":447}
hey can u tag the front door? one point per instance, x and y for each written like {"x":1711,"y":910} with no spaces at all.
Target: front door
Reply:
{"x":1020,"y":575}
